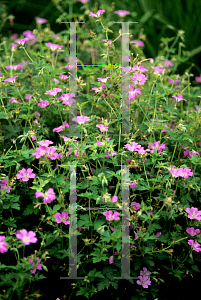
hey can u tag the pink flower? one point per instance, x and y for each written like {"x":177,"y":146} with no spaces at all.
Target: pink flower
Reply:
{"x":132,"y":93}
{"x":156,"y":146}
{"x":5,"y":185}
{"x":40,"y":20}
{"x":60,"y":128}
{"x":62,"y":217}
{"x":25,"y":174}
{"x":80,"y":119}
{"x":179,"y":98}
{"x":194,"y":153}
{"x":22,"y":41}
{"x":53,"y":92}
{"x":112,"y":153}
{"x":13,"y":46}
{"x":122,"y":13}
{"x":144,"y":281}
{"x":193,"y":231}
{"x":97,"y":15}
{"x":195,"y":245}
{"x":30,"y":36}
{"x":168,"y":63}
{"x":133,"y":185}
{"x":28,"y":97}
{"x":103,"y":79}
{"x":38,"y":265}
{"x":158,"y":69}
{"x":53,"y":47}
{"x":63,"y":77}
{"x":26,"y":237}
{"x":47,"y":196}
{"x":67,"y":98}
{"x":14,"y":67}
{"x":111,"y":260}
{"x":138,"y":43}
{"x":114,"y":199}
{"x":145,"y":272}
{"x":50,"y":152}
{"x":193,"y":213}
{"x":102,"y":127}
{"x":11,"y":79}
{"x":135,"y":205}
{"x":110,"y":216}
{"x":3,"y":244}
{"x":83,"y":1}
{"x":43,"y":103}
{"x":198,"y":79}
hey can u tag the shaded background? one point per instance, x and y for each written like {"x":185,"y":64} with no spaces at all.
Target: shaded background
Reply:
{"x":154,"y":17}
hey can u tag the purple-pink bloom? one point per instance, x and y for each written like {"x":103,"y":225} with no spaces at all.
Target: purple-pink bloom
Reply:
{"x":53,"y":92}
{"x":80,"y":119}
{"x":178,"y":98}
{"x":27,"y":237}
{"x":198,"y":79}
{"x":102,"y":127}
{"x":43,"y":103}
{"x":3,"y":244}
{"x":110,"y":216}
{"x":195,"y":245}
{"x":62,"y":217}
{"x":138,"y":43}
{"x":4,"y":185}
{"x":110,"y":260}
{"x":53,"y":47}
{"x":122,"y":13}
{"x":133,"y":185}
{"x":99,"y":12}
{"x":25,"y":174}
{"x":144,"y":281}
{"x":47,"y":196}
{"x":103,"y":79}
{"x":193,"y":213}
{"x":135,"y":205}
{"x":38,"y":265}
{"x":193,"y":231}
{"x":11,"y":79}
{"x":22,"y":41}
{"x":145,"y":272}
{"x":40,"y":20}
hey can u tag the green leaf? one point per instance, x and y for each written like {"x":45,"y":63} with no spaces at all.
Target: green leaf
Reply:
{"x":104,"y":283}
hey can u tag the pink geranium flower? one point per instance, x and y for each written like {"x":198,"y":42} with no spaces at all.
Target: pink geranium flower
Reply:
{"x":80,"y":119}
{"x":43,"y":103}
{"x":4,"y":185}
{"x":3,"y":244}
{"x":22,"y":41}
{"x":103,"y":79}
{"x":40,"y":20}
{"x":193,"y":213}
{"x":11,"y":79}
{"x":178,"y":98}
{"x":47,"y":196}
{"x":195,"y":245}
{"x":53,"y":47}
{"x":110,"y":260}
{"x":122,"y":13}
{"x":27,"y":237}
{"x":62,"y":217}
{"x":53,"y":92}
{"x":144,"y":281}
{"x":193,"y":231}
{"x":102,"y":127}
{"x":110,"y":216}
{"x":198,"y":79}
{"x":38,"y":265}
{"x":25,"y":174}
{"x":97,"y":15}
